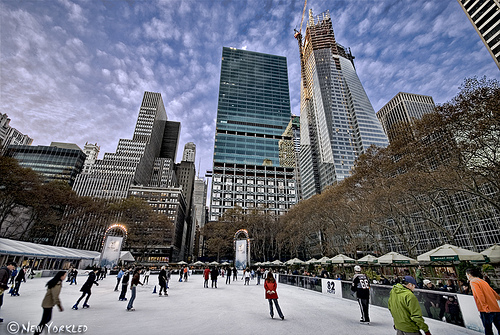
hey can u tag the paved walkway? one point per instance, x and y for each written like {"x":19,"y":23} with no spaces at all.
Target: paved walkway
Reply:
{"x":191,"y":309}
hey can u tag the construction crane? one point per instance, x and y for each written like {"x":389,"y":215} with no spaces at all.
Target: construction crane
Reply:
{"x":298,"y":36}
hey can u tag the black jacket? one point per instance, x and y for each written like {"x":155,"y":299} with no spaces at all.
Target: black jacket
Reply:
{"x":88,"y":284}
{"x":4,"y":277}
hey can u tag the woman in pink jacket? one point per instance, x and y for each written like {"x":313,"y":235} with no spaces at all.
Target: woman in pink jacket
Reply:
{"x":271,"y":295}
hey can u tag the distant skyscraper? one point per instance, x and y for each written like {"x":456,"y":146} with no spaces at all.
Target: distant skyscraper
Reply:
{"x":485,"y":17}
{"x":134,"y":159}
{"x":404,"y":107}
{"x":11,"y":136}
{"x":170,"y":140}
{"x":59,"y":161}
{"x":337,"y":122}
{"x":252,"y":115}
{"x":91,"y":152}
{"x":199,"y":210}
{"x":189,"y":153}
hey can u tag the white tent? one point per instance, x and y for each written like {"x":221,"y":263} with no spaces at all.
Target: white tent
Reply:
{"x":342,"y":259}
{"x":126,"y":256}
{"x":312,"y":261}
{"x":395,"y":259}
{"x":450,"y":253}
{"x":277,"y":262}
{"x":368,"y":259}
{"x":323,"y":260}
{"x":294,"y":261}
{"x":493,"y":253}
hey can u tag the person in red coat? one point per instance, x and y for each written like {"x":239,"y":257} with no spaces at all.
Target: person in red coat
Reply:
{"x":206,"y":275}
{"x":271,"y":295}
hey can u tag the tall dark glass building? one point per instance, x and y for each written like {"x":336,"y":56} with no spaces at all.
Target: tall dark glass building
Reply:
{"x":252,"y":115}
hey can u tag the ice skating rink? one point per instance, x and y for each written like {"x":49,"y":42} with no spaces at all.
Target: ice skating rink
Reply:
{"x":192,"y":309}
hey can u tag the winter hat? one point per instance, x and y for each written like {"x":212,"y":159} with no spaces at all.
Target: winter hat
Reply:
{"x":426,"y":281}
{"x":410,"y":280}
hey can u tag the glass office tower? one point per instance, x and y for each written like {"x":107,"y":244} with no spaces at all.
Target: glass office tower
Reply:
{"x":253,"y":113}
{"x":337,"y":120}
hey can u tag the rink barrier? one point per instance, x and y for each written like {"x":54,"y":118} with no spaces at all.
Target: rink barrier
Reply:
{"x":458,"y":309}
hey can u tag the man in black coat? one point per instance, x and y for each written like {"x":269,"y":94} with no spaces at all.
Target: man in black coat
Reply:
{"x":91,"y":280}
{"x":4,"y":279}
{"x":21,"y":276}
{"x":213,"y":275}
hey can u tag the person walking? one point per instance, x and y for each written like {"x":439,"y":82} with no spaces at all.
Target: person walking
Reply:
{"x":5,"y":273}
{"x":213,"y":275}
{"x":259,"y":275}
{"x":228,"y":276}
{"x":405,"y":309}
{"x":270,"y":286}
{"x":361,"y":285}
{"x":133,"y":287}
{"x":86,"y":289}
{"x":246,"y":275}
{"x":18,"y":280}
{"x":486,"y":300}
{"x":162,"y":281}
{"x":119,"y":278}
{"x":146,"y":276}
{"x":51,"y":299}
{"x":125,"y":279}
{"x":206,"y":275}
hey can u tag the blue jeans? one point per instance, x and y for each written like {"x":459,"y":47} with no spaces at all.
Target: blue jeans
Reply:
{"x":132,"y":298}
{"x":277,"y":307}
{"x":490,"y":319}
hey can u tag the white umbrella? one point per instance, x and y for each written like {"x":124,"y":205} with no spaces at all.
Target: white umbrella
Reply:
{"x":342,"y":259}
{"x":323,"y":260}
{"x":395,"y":258}
{"x":493,"y":253}
{"x":258,"y":264}
{"x":368,"y":259}
{"x":311,"y":261}
{"x":181,"y":263}
{"x":450,"y":253}
{"x":225,"y":263}
{"x":294,"y":261}
{"x":213,"y":263}
{"x":277,"y":262}
{"x":198,"y":263}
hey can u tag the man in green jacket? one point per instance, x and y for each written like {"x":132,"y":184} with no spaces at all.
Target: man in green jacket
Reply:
{"x":405,"y":309}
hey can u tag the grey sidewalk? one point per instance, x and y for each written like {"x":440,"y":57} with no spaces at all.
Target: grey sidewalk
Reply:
{"x":192,"y":309}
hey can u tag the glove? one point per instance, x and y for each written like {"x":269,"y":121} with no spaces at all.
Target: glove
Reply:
{"x":427,"y":333}
{"x":96,"y":284}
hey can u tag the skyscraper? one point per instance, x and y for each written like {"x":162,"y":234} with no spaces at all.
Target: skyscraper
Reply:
{"x":337,"y":122}
{"x":252,"y":115}
{"x":11,"y":136}
{"x":189,"y":153}
{"x":403,"y":109}
{"x":485,"y":17}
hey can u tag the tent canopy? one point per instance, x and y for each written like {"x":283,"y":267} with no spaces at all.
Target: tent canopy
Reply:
{"x":21,"y":248}
{"x":450,"y":253}
{"x":323,"y":260}
{"x":493,"y":253}
{"x":294,"y":261}
{"x":342,"y":259}
{"x":368,"y":259}
{"x":395,"y":258}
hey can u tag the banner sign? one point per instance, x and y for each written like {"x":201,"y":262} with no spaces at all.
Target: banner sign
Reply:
{"x":240,"y":259}
{"x":110,"y":254}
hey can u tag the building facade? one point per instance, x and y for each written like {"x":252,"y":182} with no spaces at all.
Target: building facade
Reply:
{"x":189,"y":153}
{"x":199,"y":212}
{"x":485,"y":17}
{"x":337,"y":122}
{"x":11,"y":136}
{"x":402,"y":110}
{"x":59,"y":161}
{"x":252,"y":115}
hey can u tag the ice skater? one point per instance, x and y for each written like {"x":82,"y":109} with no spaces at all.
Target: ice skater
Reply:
{"x":206,"y":275}
{"x":361,"y":285}
{"x":133,"y":287}
{"x":125,"y":279}
{"x":86,"y":289}
{"x":213,"y":275}
{"x":51,"y":299}
{"x":162,"y":281}
{"x":270,"y":286}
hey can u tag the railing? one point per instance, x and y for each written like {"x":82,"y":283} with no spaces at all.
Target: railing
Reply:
{"x":309,"y":283}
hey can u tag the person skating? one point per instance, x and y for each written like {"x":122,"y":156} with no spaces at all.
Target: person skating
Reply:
{"x":18,"y":280}
{"x":235,"y":274}
{"x":228,"y":276}
{"x":162,"y":281}
{"x":270,"y":286}
{"x":361,"y":285}
{"x":51,"y":299}
{"x":5,"y":274}
{"x":486,"y":300}
{"x":125,"y":279}
{"x":213,"y":275}
{"x":133,"y":287}
{"x":74,"y":274}
{"x":86,"y":289}
{"x":119,"y":278}
{"x":405,"y":309}
{"x":246,"y":275}
{"x":206,"y":275}
{"x":146,"y":276}
{"x":259,"y":275}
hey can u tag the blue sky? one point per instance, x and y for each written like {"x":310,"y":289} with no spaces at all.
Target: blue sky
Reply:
{"x":75,"y":71}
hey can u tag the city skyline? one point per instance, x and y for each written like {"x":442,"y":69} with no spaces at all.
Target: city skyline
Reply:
{"x":76,"y":71}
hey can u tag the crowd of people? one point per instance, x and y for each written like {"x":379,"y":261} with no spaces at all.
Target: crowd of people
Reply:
{"x":403,"y":304}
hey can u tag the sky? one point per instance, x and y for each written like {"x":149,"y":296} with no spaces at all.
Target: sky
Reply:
{"x":76,"y":71}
